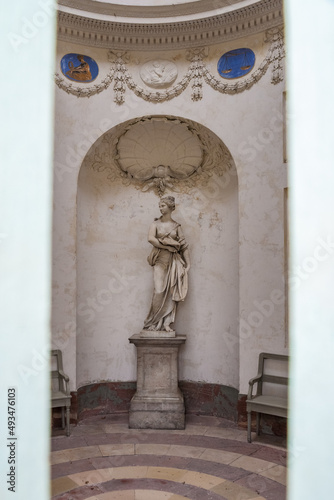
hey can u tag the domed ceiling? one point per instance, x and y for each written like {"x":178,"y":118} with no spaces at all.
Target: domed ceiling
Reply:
{"x":150,"y":9}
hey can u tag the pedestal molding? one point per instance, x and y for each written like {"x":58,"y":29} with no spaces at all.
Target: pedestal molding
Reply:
{"x":157,"y":341}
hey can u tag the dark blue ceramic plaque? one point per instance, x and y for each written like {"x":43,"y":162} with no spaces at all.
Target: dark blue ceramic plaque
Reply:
{"x":79,"y":68}
{"x":236,"y":63}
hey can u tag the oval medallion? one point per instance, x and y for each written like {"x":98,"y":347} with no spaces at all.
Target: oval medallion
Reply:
{"x":158,"y":74}
{"x":79,"y":68}
{"x":236,"y":63}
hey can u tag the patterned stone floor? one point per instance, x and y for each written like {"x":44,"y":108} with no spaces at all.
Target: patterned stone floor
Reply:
{"x":209,"y":460}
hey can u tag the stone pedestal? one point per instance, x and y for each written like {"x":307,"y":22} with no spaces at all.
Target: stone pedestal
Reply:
{"x":158,"y":402}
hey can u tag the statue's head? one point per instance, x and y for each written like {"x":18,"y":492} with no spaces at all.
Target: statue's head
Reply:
{"x":170,"y":202}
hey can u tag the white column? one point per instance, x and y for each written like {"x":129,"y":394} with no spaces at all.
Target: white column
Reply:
{"x":310,"y":49}
{"x":27,"y":53}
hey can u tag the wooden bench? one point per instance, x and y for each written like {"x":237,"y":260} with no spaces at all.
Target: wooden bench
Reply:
{"x":271,"y":393}
{"x":60,"y":392}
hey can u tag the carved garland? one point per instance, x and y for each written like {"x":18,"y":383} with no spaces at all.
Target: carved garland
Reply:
{"x":196,"y":73}
{"x":85,"y":91}
{"x":274,"y":56}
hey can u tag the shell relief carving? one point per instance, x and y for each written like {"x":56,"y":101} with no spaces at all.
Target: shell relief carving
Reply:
{"x":161,"y":153}
{"x":157,"y":151}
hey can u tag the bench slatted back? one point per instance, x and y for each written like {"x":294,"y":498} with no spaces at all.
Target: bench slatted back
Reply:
{"x":57,"y":364}
{"x":269,"y":377}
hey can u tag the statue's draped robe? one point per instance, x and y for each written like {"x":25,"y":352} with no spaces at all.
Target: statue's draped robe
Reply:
{"x":175,"y":280}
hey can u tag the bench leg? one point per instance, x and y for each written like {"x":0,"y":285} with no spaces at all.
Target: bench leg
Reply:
{"x":249,"y":426}
{"x":258,"y":416}
{"x":62,"y":418}
{"x":67,"y":421}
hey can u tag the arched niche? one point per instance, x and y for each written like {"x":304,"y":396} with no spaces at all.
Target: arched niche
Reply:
{"x":116,"y":203}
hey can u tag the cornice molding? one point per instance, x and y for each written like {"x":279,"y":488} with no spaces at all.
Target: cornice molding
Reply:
{"x":239,"y":23}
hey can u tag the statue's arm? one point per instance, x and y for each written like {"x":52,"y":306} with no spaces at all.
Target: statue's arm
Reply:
{"x":152,"y":238}
{"x":185,"y":252}
{"x":186,"y":257}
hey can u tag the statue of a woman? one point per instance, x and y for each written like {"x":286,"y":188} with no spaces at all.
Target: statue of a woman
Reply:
{"x":171,"y":262}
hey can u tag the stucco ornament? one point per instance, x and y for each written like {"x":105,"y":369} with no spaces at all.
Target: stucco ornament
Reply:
{"x":159,"y":151}
{"x":171,"y":262}
{"x":198,"y":73}
{"x":158,"y":74}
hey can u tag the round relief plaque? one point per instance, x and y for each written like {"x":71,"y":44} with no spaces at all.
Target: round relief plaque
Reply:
{"x":79,"y":68}
{"x":236,"y":63}
{"x":158,"y":74}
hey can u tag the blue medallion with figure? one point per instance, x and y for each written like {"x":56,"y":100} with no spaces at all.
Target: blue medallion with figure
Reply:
{"x":236,"y":63}
{"x":79,"y":68}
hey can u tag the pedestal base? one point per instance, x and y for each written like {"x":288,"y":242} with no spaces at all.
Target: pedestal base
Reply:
{"x":157,"y":413}
{"x":158,"y":402}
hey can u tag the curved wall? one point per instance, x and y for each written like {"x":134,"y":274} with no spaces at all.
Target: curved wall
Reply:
{"x":250,"y":122}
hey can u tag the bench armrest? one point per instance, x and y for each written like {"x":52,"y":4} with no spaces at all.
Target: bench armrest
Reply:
{"x":64,"y":376}
{"x":253,"y":381}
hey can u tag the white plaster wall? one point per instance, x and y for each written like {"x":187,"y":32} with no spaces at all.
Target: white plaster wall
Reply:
{"x":251,"y":126}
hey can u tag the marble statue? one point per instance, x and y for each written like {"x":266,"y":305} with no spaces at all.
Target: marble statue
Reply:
{"x":171,"y":262}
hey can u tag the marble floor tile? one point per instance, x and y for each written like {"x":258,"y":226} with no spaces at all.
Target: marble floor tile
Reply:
{"x":91,"y":477}
{"x":232,"y":491}
{"x":64,"y":443}
{"x":225,"y":433}
{"x":58,"y":457}
{"x":276,"y":455}
{"x":166,"y":473}
{"x":191,"y":429}
{"x":115,"y":428}
{"x":83,"y":452}
{"x":210,"y":459}
{"x":82,"y":429}
{"x":129,"y":472}
{"x":252,"y":464}
{"x":115,"y":495}
{"x":219,"y":456}
{"x":185,"y":451}
{"x":206,"y":481}
{"x":277,"y":473}
{"x":108,"y":450}
{"x":156,"y":495}
{"x":62,"y":484}
{"x":152,"y":449}
{"x":262,"y":485}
